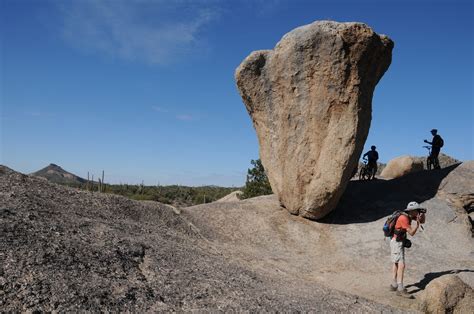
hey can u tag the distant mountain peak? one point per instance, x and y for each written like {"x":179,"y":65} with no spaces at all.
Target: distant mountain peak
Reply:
{"x":54,"y":167}
{"x":55,"y":173}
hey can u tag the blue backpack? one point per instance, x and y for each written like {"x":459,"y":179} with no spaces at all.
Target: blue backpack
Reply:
{"x":389,"y":226}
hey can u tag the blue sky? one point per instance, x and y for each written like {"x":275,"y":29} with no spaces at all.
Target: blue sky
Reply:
{"x":145,"y":89}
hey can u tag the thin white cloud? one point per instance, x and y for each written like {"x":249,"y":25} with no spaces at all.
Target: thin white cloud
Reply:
{"x":34,"y":114}
{"x":154,"y":32}
{"x":159,"y":109}
{"x":37,"y":114}
{"x":177,"y":115}
{"x":265,"y":7}
{"x":186,"y":117}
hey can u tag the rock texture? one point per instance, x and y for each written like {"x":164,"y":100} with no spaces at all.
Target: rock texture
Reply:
{"x":65,"y":250}
{"x":310,"y":99}
{"x":337,"y":249}
{"x":460,"y":181}
{"x":447,"y":294}
{"x":458,"y":187}
{"x":401,"y":166}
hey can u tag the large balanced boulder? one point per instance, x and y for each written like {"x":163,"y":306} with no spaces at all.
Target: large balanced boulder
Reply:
{"x":447,"y":294}
{"x":400,"y":166}
{"x":310,"y":100}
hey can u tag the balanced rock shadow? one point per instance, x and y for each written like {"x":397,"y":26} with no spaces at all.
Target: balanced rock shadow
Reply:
{"x":366,"y":201}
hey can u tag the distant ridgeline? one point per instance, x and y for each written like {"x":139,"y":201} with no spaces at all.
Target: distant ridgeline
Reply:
{"x":175,"y":195}
{"x":56,"y":174}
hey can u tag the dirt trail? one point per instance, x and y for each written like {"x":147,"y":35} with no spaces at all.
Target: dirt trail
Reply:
{"x":346,"y":250}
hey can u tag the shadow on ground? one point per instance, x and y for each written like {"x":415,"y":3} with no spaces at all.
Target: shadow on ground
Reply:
{"x":366,"y":201}
{"x":421,"y":285}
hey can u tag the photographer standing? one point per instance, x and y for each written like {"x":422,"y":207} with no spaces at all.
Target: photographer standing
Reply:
{"x":399,"y":241}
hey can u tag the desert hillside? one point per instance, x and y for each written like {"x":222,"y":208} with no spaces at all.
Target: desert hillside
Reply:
{"x":68,"y":250}
{"x":65,"y":249}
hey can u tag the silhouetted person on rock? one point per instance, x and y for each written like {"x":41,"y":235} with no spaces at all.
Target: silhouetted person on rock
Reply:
{"x":436,"y":144}
{"x":399,"y":241}
{"x":372,"y":156}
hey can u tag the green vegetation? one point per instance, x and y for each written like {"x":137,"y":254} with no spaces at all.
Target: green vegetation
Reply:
{"x":175,"y":195}
{"x":257,"y":181}
{"x":181,"y":196}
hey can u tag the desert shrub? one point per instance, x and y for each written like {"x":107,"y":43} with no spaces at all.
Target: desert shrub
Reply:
{"x":257,"y":181}
{"x":176,"y":195}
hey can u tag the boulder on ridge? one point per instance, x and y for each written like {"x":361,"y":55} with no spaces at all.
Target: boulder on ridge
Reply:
{"x":401,"y":166}
{"x":310,"y":100}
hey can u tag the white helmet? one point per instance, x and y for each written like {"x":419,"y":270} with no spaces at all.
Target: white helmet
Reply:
{"x":415,"y":206}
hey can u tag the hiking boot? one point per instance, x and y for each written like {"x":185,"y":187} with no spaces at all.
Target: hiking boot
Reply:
{"x":404,"y":293}
{"x":392,"y":288}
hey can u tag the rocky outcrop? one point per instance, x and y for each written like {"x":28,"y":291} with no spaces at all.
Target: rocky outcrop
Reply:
{"x":447,"y":294}
{"x":65,"y":250}
{"x":401,"y":166}
{"x":337,"y":249}
{"x":444,"y":160}
{"x":460,"y":181}
{"x":458,"y":188}
{"x":310,"y":100}
{"x":232,"y":197}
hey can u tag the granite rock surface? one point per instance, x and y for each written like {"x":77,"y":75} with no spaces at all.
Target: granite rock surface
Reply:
{"x":310,"y":100}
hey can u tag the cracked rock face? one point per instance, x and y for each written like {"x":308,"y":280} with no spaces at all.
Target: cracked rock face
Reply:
{"x":310,"y":100}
